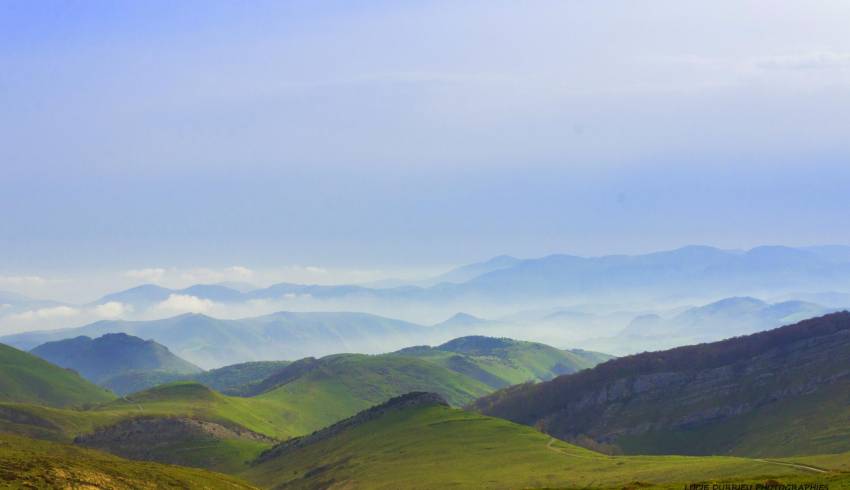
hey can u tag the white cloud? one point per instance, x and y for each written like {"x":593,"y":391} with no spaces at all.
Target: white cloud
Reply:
{"x":207,"y":276}
{"x":184,"y":303}
{"x":154,"y":275}
{"x":112,"y":309}
{"x":54,"y":312}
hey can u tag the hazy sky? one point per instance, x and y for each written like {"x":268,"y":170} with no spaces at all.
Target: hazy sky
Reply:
{"x":392,"y":135}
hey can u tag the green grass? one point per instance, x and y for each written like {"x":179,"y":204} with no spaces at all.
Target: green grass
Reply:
{"x":440,"y":447}
{"x":348,"y":383}
{"x":25,"y":378}
{"x":195,"y":400}
{"x":504,"y":362}
{"x":235,"y":378}
{"x":27,"y":463}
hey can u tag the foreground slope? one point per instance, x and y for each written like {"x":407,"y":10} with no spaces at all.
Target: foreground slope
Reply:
{"x":25,"y":378}
{"x":418,"y":441}
{"x":775,"y":393}
{"x":118,"y":361}
{"x":27,"y":463}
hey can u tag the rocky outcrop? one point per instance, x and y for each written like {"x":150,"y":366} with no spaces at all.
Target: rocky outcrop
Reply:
{"x":151,"y":438}
{"x":403,"y":402}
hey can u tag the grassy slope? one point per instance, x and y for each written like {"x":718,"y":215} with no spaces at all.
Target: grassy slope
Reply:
{"x":348,"y":383}
{"x":29,"y":463}
{"x":178,"y":399}
{"x":440,"y":447}
{"x":342,"y":386}
{"x":232,"y":379}
{"x":27,"y":379}
{"x":195,"y":400}
{"x":510,"y":363}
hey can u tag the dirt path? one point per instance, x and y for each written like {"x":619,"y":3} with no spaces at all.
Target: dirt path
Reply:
{"x":794,"y":465}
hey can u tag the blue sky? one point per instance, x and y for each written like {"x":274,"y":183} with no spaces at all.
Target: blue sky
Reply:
{"x":403,"y":134}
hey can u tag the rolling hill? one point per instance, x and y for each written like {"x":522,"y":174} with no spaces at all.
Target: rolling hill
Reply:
{"x":25,"y":378}
{"x":418,"y":441}
{"x":190,"y":424}
{"x":500,"y":362}
{"x":318,"y":392}
{"x":237,"y":378}
{"x":117,"y":361}
{"x":776,"y":393}
{"x":27,"y":463}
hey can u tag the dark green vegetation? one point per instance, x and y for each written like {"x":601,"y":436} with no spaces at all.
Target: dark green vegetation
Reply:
{"x":777,"y":393}
{"x":417,"y":441}
{"x":26,"y":463}
{"x":117,"y":361}
{"x":25,"y":378}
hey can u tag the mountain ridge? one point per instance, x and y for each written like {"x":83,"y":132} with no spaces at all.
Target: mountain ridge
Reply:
{"x":657,"y":402}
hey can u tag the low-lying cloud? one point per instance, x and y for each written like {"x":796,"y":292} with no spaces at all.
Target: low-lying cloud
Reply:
{"x":184,"y":303}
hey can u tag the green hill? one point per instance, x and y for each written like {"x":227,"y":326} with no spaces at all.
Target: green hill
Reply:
{"x":27,"y":463}
{"x":26,"y":378}
{"x":117,"y":361}
{"x":418,"y":441}
{"x":238,"y":378}
{"x":194,"y":425}
{"x":782,"y":392}
{"x":335,"y":387}
{"x":501,"y":362}
{"x":189,"y":423}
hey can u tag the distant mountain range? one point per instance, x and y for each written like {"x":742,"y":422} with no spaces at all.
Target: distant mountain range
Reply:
{"x":117,"y":361}
{"x":774,"y":393}
{"x":715,"y":321}
{"x":695,"y":270}
{"x":210,"y":342}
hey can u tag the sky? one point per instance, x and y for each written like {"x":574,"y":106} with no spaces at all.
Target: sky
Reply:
{"x":348,"y":141}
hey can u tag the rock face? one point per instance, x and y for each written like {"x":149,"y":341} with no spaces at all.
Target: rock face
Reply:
{"x":406,"y":401}
{"x":153,"y":438}
{"x":688,"y":388}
